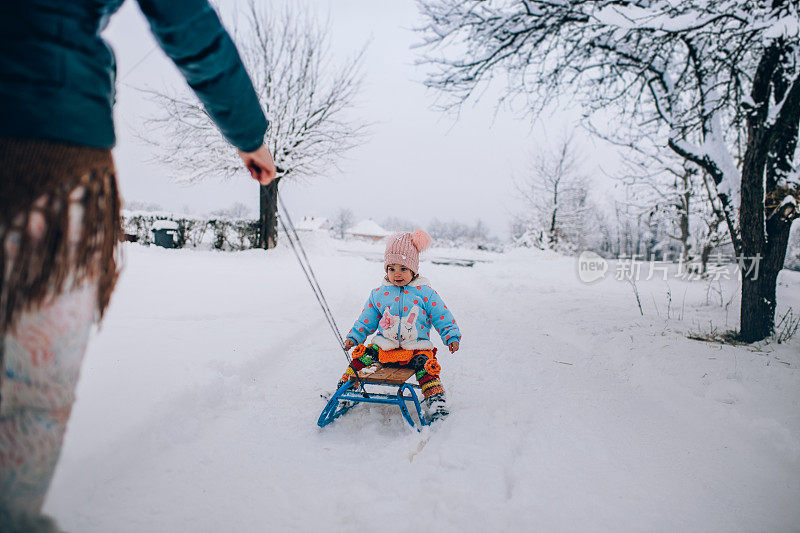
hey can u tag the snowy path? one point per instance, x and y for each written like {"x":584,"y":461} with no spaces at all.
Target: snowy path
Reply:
{"x":570,"y":412}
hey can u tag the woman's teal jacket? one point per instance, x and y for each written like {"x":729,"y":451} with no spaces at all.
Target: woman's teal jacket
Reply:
{"x":57,"y":74}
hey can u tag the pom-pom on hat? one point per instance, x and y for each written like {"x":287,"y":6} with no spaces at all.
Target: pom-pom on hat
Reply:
{"x":404,"y":248}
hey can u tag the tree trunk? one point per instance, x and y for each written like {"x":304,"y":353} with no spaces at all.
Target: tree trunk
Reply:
{"x":704,"y":255}
{"x":552,"y":232}
{"x":768,"y":156}
{"x":764,"y":239}
{"x":684,"y":208}
{"x":759,"y":286}
{"x":268,"y":216}
{"x":685,"y":246}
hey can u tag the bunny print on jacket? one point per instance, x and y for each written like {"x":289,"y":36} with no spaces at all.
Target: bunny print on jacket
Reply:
{"x":389,"y":324}
{"x":403,"y":317}
{"x":408,"y":327}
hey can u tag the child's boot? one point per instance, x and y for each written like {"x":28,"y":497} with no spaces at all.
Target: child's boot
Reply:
{"x":436,"y":407}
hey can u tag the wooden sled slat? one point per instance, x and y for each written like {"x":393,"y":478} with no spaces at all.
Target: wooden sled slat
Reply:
{"x":391,"y":376}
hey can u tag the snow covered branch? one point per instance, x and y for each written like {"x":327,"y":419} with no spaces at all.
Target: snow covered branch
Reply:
{"x":717,"y":80}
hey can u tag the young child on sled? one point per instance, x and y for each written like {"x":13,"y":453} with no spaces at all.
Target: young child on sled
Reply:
{"x":402,"y":310}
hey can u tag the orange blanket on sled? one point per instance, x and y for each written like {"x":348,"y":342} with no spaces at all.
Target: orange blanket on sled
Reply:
{"x":401,"y":356}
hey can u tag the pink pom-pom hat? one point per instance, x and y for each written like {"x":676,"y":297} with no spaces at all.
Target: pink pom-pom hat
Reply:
{"x":404,"y":248}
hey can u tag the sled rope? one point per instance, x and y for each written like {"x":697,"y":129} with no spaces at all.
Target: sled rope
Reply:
{"x":300,"y":253}
{"x":305,"y":265}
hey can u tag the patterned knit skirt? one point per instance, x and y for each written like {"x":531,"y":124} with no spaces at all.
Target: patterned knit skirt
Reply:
{"x":59,"y":223}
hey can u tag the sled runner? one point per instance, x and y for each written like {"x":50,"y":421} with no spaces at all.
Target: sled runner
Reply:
{"x":349,"y":394}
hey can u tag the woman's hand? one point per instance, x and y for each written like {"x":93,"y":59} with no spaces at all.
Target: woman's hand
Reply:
{"x":260,"y":165}
{"x":348,"y":343}
{"x":453,"y":346}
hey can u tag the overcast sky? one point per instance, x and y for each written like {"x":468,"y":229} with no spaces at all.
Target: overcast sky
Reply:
{"x":416,"y":164}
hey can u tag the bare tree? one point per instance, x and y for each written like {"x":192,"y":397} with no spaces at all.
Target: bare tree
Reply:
{"x":138,"y":205}
{"x":342,"y":221}
{"x":394,"y":223}
{"x":629,"y":232}
{"x":305,"y":100}
{"x":713,"y":79}
{"x":676,"y":196}
{"x":459,"y":234}
{"x":555,"y":196}
{"x":480,"y":232}
{"x":710,"y":229}
{"x":235,"y":210}
{"x":661,"y":184}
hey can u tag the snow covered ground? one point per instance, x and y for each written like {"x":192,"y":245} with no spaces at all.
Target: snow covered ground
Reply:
{"x":199,"y":397}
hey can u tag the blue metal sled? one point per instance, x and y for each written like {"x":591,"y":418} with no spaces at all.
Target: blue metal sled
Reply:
{"x":347,"y":396}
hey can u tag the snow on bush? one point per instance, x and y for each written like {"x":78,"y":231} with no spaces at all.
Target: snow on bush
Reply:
{"x":219,"y":233}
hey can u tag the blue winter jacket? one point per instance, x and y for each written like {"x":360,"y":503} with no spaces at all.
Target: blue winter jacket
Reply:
{"x":403,"y":317}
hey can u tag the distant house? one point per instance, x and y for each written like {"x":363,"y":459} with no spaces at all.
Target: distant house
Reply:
{"x":314,"y":224}
{"x":368,"y":230}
